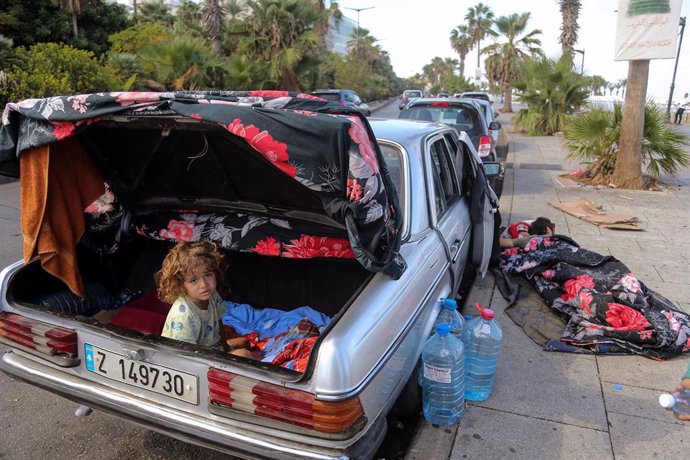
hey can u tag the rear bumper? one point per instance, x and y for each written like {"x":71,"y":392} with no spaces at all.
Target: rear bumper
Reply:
{"x":186,"y":427}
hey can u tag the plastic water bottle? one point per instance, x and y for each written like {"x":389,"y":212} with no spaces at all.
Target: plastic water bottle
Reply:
{"x":679,"y":401}
{"x":467,"y":318}
{"x":448,"y":315}
{"x":482,"y":339}
{"x":443,"y":390}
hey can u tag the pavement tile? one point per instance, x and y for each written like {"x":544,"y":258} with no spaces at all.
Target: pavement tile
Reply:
{"x":491,"y":434}
{"x":560,"y":387}
{"x":640,"y":438}
{"x":641,"y":372}
{"x":636,"y":402}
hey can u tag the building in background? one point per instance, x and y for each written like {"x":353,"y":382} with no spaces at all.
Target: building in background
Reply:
{"x":172,"y":5}
{"x":340,"y":32}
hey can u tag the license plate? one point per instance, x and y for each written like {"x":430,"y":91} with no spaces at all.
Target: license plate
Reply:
{"x":153,"y":377}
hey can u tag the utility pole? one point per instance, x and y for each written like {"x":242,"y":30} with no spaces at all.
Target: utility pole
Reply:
{"x":358,"y":10}
{"x":582,"y":66}
{"x":675,"y":68}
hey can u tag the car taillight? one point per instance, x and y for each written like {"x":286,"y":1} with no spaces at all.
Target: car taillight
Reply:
{"x":35,"y":335}
{"x":272,"y":401}
{"x":484,"y":146}
{"x":440,"y":104}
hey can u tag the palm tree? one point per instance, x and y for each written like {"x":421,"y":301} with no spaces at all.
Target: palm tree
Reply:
{"x":594,"y":137}
{"x":461,"y":42}
{"x":182,"y":63}
{"x":280,"y":35}
{"x":552,"y":91}
{"x":623,"y":83}
{"x":73,"y":7}
{"x":155,"y":11}
{"x":517,"y":46}
{"x":213,"y":23}
{"x":570,"y":10}
{"x":479,"y":18}
{"x":597,"y":83}
{"x":236,"y":9}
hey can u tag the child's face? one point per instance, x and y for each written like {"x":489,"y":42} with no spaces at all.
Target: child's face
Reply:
{"x":200,"y":285}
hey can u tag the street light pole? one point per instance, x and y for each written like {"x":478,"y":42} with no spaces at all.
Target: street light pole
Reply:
{"x":358,"y":10}
{"x":582,"y":65}
{"x":675,"y":67}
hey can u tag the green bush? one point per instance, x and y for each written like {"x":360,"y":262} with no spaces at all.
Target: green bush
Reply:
{"x":594,"y":138}
{"x":552,"y":91}
{"x":51,"y":69}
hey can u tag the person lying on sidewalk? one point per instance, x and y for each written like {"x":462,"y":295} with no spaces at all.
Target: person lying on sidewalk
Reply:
{"x":539,"y":226}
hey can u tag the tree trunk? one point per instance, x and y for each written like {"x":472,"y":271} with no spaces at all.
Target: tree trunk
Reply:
{"x":75,"y":31}
{"x":507,"y":99}
{"x":628,"y":170}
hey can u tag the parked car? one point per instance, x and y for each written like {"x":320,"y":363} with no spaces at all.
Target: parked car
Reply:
{"x":408,"y":95}
{"x":365,"y":222}
{"x":463,"y":115}
{"x":345,"y":97}
{"x":490,"y":118}
{"x":478,"y":95}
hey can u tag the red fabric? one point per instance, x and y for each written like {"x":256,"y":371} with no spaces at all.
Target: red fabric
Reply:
{"x":298,"y":352}
{"x":144,"y":314}
{"x":519,"y":229}
{"x":150,"y":301}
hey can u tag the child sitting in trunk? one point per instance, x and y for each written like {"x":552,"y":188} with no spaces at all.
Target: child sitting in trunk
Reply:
{"x":189,"y":278}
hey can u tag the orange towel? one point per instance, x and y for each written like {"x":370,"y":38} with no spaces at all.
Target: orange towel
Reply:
{"x":57,"y":182}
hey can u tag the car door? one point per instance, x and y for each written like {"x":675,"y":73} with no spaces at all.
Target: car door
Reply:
{"x":480,"y":198}
{"x":449,"y":213}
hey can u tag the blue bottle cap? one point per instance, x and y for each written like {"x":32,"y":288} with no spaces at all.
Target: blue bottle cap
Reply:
{"x":450,"y":304}
{"x":443,"y":329}
{"x":469,"y":317}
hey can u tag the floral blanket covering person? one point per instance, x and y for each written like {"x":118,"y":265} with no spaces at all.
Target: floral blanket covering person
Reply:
{"x":603,"y":302}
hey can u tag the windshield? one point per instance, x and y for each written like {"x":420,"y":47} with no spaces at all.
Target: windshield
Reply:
{"x":460,"y":117}
{"x":333,"y":97}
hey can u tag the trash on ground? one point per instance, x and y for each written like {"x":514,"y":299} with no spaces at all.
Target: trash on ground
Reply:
{"x":592,"y":213}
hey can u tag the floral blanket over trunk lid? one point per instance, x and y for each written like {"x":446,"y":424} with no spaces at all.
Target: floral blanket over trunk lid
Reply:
{"x":602,"y":301}
{"x":327,"y":148}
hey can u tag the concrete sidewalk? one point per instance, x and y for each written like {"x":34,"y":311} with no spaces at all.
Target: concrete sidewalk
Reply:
{"x":549,"y":405}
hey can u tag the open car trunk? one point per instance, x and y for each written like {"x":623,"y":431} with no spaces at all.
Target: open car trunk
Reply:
{"x":120,"y":288}
{"x":294,"y":191}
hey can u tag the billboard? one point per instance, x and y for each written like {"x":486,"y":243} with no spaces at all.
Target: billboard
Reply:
{"x":647,"y":29}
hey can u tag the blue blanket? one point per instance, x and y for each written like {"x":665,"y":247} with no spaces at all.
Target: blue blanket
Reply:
{"x":268,"y":322}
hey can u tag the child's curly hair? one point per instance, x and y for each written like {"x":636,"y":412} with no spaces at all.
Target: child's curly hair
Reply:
{"x":184,"y":258}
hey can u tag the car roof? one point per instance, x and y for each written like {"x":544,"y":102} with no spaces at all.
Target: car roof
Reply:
{"x":444,"y":100}
{"x":330,"y":91}
{"x":402,"y":131}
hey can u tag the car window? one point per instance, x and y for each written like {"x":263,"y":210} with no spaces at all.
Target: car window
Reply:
{"x":333,"y":97}
{"x":445,"y":187}
{"x":393,"y":159}
{"x":412,"y":93}
{"x":462,"y":118}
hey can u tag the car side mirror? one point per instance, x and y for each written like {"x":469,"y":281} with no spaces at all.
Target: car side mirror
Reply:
{"x":496,"y":114}
{"x":494,"y":125}
{"x":492,"y":169}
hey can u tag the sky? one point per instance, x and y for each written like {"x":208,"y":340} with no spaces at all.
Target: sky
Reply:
{"x":413,"y":32}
